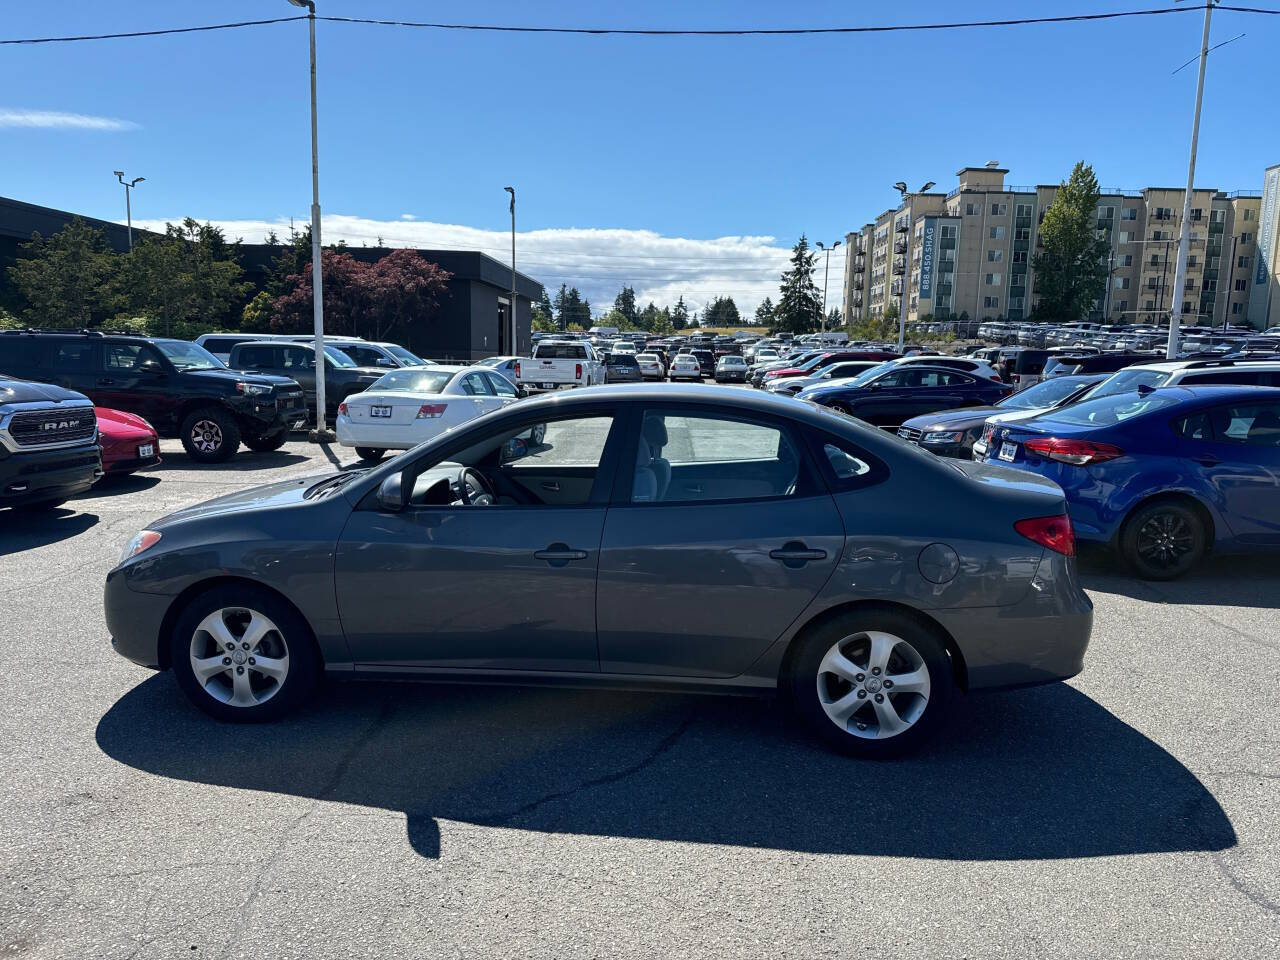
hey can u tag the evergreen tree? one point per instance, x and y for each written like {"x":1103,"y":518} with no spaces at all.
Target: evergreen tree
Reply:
{"x":721,"y":312}
{"x":799,"y":307}
{"x":67,"y":280}
{"x":679,"y":315}
{"x":764,"y":313}
{"x":625,"y":304}
{"x":1071,"y":271}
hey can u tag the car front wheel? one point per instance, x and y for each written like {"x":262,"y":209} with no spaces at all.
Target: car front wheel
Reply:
{"x":370,"y":454}
{"x":210,"y":435}
{"x":871,"y":684}
{"x":268,"y":443}
{"x":242,"y":654}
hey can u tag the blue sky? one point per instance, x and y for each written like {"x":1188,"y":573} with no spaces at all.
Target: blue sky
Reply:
{"x":633,"y":157}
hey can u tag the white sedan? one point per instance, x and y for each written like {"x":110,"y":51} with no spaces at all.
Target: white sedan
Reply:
{"x":686,"y":367}
{"x":651,"y":367}
{"x":413,"y":404}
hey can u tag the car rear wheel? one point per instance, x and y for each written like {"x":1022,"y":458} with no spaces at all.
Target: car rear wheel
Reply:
{"x":265,"y":444}
{"x":210,"y":435}
{"x":370,"y":454}
{"x":1163,"y":540}
{"x":872,"y":684}
{"x":242,"y":654}
{"x":840,"y":408}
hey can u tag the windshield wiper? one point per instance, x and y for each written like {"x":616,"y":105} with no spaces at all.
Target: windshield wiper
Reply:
{"x":329,"y":484}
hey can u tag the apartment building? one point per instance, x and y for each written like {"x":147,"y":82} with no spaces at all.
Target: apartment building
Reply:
{"x":971,"y":252}
{"x":1264,"y":294}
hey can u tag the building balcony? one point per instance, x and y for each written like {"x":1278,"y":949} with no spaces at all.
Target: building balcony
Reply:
{"x":902,"y":227}
{"x":858,"y":283}
{"x":896,"y":287}
{"x":900,"y":245}
{"x":947,"y":243}
{"x":1216,"y":226}
{"x":1024,"y":222}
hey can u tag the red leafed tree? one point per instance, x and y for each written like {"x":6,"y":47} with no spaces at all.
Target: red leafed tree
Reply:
{"x":363,"y":299}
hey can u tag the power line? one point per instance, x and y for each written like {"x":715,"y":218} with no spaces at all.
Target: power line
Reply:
{"x":654,"y":32}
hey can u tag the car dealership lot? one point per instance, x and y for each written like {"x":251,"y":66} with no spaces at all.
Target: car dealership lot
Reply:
{"x":1129,"y":812}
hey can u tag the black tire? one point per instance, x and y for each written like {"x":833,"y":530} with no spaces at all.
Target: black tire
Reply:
{"x":268,"y":443}
{"x":291,"y":641}
{"x":913,"y":647}
{"x":370,"y":454}
{"x":210,"y":435}
{"x":1163,"y":540}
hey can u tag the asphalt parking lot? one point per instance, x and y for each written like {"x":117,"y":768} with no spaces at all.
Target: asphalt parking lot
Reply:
{"x":1131,"y":812}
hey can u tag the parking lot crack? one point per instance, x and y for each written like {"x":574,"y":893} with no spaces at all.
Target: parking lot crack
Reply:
{"x":663,"y":747}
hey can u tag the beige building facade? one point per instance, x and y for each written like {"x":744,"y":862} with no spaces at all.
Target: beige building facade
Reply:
{"x":971,"y":253}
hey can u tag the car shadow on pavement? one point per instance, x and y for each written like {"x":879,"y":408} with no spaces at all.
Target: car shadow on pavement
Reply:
{"x":242,"y":462}
{"x":115,"y":484}
{"x":1035,"y":774}
{"x":1226,"y":581}
{"x":21,"y":531}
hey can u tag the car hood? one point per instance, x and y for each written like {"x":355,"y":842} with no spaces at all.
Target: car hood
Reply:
{"x":951,"y":419}
{"x":827,"y":390}
{"x":279,"y":494}
{"x":23,"y":391}
{"x":115,"y":423}
{"x":247,"y":376}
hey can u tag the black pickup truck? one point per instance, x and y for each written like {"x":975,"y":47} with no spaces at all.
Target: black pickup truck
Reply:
{"x":48,"y":444}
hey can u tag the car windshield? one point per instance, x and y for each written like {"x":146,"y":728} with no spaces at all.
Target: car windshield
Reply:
{"x":647,"y":357}
{"x":406,"y":380}
{"x":338,"y":358}
{"x":403,"y":355}
{"x":189,"y":356}
{"x":1110,"y":410}
{"x":1126,"y":381}
{"x":1046,"y":393}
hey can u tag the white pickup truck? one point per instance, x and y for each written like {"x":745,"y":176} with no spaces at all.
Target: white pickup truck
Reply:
{"x":557,"y":363}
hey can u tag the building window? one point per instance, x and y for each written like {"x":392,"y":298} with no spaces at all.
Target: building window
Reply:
{"x":1022,"y":233}
{"x":1248,"y":214}
{"x":997,"y":233}
{"x":1023,"y":210}
{"x":1125,"y":260}
{"x":1163,"y":213}
{"x":1242,"y":285}
{"x":1210,"y":286}
{"x":1242,"y":262}
{"x":1019,"y":256}
{"x":1122,"y":307}
{"x":1155,"y":260}
{"x":972,"y":209}
{"x":1246,"y":238}
{"x":1158,"y":235}
{"x":1015,"y":303}
{"x":1106,"y":213}
{"x":994,"y":279}
{"x":1191,"y":260}
{"x":991,"y":303}
{"x":999,"y":209}
{"x":1151,"y":305}
{"x":949,"y":231}
{"x":1126,"y":236}
{"x":995,"y":256}
{"x":1197,"y":213}
{"x":1218,"y":216}
{"x":1237,"y":308}
{"x":1129,"y":213}
{"x":1122,"y":283}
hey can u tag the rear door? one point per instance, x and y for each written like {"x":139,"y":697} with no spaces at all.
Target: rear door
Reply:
{"x":134,"y":377}
{"x":479,"y":393}
{"x":1234,"y":450}
{"x":720,"y":536}
{"x":299,"y":363}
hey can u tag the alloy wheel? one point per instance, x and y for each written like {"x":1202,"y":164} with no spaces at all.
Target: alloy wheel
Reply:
{"x":1164,"y":540}
{"x":239,"y":656}
{"x":206,"y":435}
{"x":873,"y":685}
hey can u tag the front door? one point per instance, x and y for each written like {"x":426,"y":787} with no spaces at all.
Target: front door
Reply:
{"x":727,"y":537}
{"x":508,"y":586}
{"x":135,"y":378}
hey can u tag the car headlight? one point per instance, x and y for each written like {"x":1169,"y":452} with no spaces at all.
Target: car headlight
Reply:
{"x":253,"y":389}
{"x":943,"y":436}
{"x":142,"y":540}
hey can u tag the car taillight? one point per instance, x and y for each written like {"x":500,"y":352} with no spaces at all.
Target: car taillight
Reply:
{"x":1055,"y":533}
{"x":429,"y":411}
{"x":987,"y":433}
{"x":517,"y":368}
{"x":1078,"y":453}
{"x":577,"y":371}
{"x":342,"y":409}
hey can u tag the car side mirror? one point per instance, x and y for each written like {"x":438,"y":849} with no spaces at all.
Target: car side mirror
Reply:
{"x":391,"y":494}
{"x":152,"y":369}
{"x":383,"y":362}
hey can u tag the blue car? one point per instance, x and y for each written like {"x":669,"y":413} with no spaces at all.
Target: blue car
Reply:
{"x":892,"y":393}
{"x":1163,"y":475}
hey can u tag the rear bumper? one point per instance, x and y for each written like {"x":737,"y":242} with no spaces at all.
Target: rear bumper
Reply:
{"x":48,"y":475}
{"x":383,"y":437}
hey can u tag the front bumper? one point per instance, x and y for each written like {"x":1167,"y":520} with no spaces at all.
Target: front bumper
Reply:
{"x":31,"y":477}
{"x":134,"y":620}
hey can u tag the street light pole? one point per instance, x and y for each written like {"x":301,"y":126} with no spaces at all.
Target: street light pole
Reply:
{"x":826,"y":273}
{"x":514,"y":345}
{"x":907,"y":197}
{"x":128,"y":206}
{"x":1184,"y":234}
{"x":322,"y":433}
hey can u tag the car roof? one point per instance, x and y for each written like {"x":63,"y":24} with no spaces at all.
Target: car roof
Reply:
{"x":1175,"y":366}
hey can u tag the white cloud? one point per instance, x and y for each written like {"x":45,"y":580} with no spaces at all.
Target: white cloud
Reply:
{"x":598,"y":261}
{"x":56,"y":120}
{"x":408,"y":216}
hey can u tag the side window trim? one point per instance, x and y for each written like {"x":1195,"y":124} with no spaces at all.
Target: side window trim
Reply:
{"x":878,"y":473}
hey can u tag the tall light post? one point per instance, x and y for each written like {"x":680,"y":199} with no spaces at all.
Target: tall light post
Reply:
{"x":128,"y":206}
{"x":322,"y":433}
{"x":1184,"y":234}
{"x":515,"y":327}
{"x":826,"y":272}
{"x":907,"y":197}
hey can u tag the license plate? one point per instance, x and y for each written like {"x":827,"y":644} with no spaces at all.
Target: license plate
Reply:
{"x":548,"y":386}
{"x":146,"y":450}
{"x":377,"y":410}
{"x":1008,"y":451}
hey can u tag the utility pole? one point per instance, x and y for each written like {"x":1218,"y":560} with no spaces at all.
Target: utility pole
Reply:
{"x":1184,"y":234}
{"x":826,"y":273}
{"x":128,"y":206}
{"x":514,"y":345}
{"x":322,"y":433}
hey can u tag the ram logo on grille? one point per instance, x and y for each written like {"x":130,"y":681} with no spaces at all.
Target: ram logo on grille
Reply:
{"x":60,"y":425}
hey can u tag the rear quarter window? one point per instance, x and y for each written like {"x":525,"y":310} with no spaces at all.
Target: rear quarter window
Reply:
{"x":559,"y":351}
{"x":20,"y":354}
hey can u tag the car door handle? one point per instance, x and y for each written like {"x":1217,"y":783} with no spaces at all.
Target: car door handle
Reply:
{"x":796,"y":554}
{"x":106,"y":382}
{"x":1207,"y":461}
{"x":558,"y":554}
{"x":553,"y":485}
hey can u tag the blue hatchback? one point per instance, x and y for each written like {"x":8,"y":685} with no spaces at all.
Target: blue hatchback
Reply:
{"x":1160,"y":475}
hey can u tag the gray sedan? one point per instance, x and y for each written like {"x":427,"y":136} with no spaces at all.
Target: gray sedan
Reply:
{"x":695,"y":539}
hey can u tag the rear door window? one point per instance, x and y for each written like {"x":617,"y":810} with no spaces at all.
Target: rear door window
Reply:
{"x":256,"y":358}
{"x":73,"y":356}
{"x":20,"y":354}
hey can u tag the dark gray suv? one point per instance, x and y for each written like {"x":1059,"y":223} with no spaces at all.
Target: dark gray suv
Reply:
{"x":697,"y":539}
{"x":342,"y":376}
